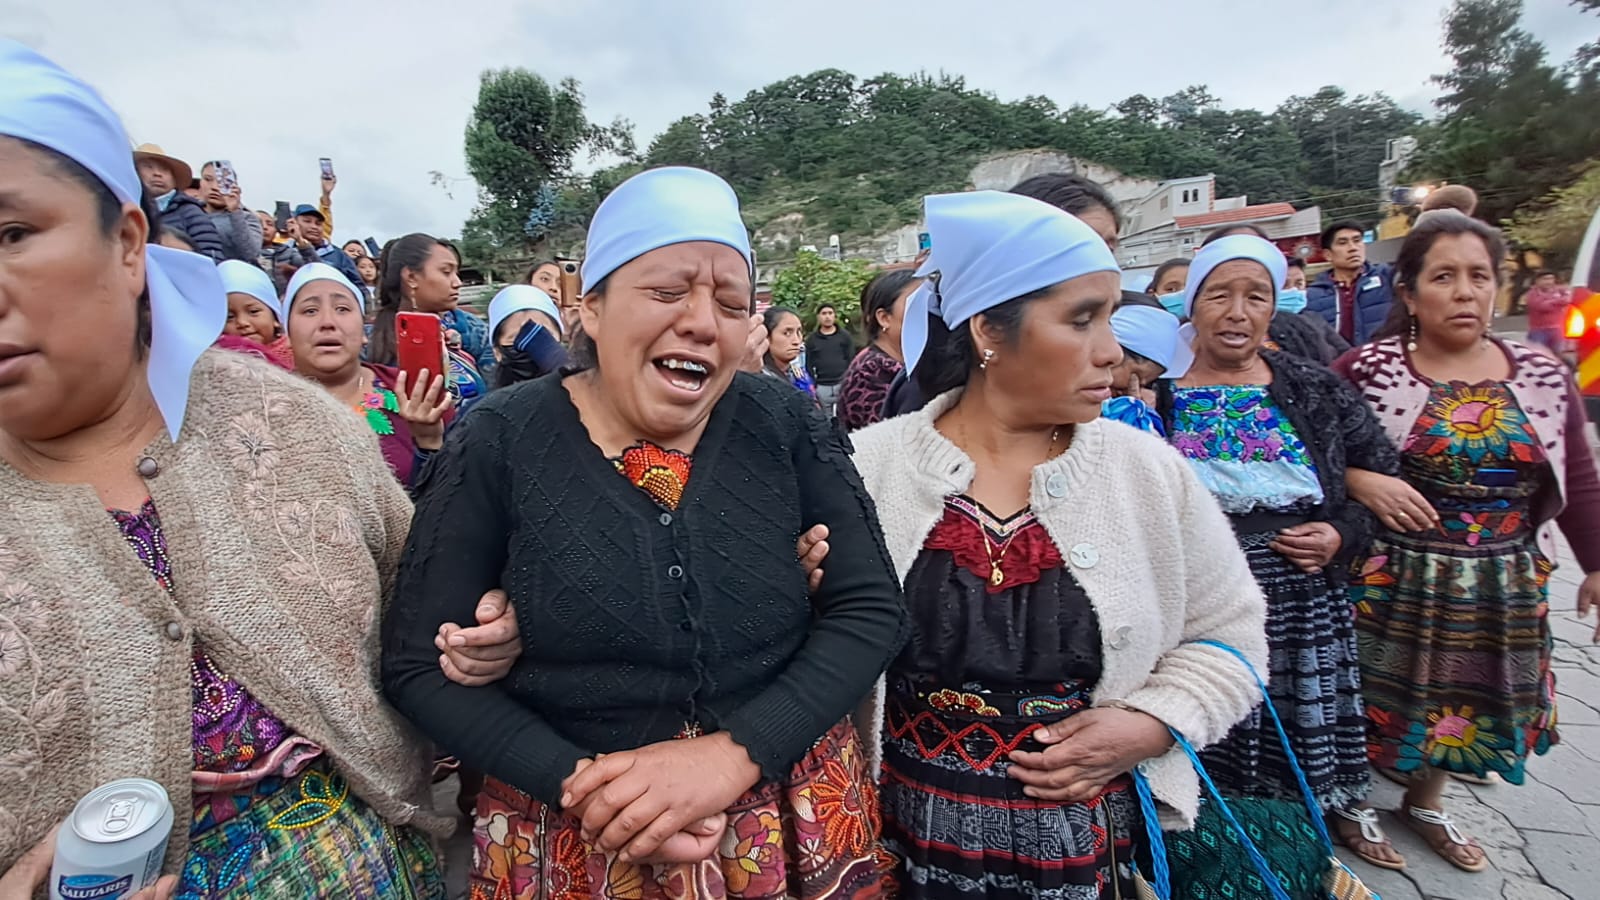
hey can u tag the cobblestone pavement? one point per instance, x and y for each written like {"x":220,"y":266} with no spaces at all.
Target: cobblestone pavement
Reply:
{"x":1542,"y":837}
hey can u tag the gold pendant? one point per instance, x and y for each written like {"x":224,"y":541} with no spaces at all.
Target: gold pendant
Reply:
{"x":996,"y":577}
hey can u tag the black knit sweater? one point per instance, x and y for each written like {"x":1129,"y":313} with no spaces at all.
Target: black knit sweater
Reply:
{"x":637,"y":620}
{"x":1339,"y":430}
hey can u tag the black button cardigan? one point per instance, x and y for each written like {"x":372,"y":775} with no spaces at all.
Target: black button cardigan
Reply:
{"x":635,"y":621}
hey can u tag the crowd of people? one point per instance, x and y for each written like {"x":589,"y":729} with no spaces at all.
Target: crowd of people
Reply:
{"x":695,"y":605}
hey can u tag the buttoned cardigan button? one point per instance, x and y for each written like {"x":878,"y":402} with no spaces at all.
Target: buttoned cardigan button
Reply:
{"x":1085,"y":556}
{"x":174,"y":631}
{"x":1056,"y":485}
{"x":148,"y":467}
{"x":675,"y":572}
{"x":666,"y":518}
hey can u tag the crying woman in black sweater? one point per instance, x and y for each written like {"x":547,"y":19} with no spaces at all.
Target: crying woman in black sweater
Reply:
{"x":677,"y":681}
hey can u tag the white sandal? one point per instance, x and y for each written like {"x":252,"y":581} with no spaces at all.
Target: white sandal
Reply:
{"x":1372,"y":833}
{"x":1453,"y":835}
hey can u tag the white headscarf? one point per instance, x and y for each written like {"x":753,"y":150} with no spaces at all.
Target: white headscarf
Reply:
{"x":658,"y":208}
{"x":243,"y":278}
{"x":989,"y":247}
{"x":319,"y":272}
{"x":1153,"y":334}
{"x":1228,"y":249}
{"x":518,"y":297}
{"x":42,"y":103}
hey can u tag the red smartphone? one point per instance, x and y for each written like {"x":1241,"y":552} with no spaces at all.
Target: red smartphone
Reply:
{"x":419,"y":344}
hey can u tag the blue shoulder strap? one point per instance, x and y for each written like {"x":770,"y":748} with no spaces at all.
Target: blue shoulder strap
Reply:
{"x":1161,"y":873}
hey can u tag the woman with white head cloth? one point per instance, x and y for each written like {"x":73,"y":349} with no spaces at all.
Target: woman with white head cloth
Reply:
{"x":327,"y":315}
{"x":525,"y":330}
{"x":1272,"y":436}
{"x":255,"y":314}
{"x":1151,"y":350}
{"x":193,"y":551}
{"x":678,"y":725}
{"x":1059,"y":570}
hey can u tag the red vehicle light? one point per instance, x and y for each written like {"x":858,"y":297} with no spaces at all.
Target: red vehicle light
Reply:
{"x":1576,"y":324}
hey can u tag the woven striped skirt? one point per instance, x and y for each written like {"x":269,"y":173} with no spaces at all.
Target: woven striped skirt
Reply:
{"x":964,"y":829}
{"x":1314,"y":679}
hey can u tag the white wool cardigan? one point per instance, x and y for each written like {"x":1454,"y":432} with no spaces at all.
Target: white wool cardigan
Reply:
{"x":1147,"y":542}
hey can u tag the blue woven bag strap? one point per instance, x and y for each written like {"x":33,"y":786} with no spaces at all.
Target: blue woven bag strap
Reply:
{"x":1161,"y":872}
{"x":1262,"y":865}
{"x":1310,"y":799}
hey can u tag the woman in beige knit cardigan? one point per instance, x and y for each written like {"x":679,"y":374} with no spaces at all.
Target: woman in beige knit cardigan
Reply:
{"x":1060,"y":570}
{"x":193,"y":552}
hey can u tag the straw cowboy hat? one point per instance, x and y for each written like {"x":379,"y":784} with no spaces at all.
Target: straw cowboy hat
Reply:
{"x":181,"y":173}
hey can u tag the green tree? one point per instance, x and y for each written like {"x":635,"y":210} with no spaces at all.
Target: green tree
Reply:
{"x":813,"y":281}
{"x":521,"y":141}
{"x":1555,"y":224}
{"x":1513,"y":126}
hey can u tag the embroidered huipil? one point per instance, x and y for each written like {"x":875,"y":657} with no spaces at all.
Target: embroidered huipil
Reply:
{"x":1245,"y":451}
{"x":238,"y":742}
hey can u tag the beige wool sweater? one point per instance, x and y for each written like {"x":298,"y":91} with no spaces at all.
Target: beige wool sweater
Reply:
{"x":1150,"y":547}
{"x":284,"y":528}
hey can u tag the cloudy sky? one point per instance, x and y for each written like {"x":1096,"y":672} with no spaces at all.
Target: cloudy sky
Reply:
{"x":384,"y":87}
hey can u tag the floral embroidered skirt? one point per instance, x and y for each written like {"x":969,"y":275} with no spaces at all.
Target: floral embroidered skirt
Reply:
{"x":965,"y":829}
{"x":306,"y":836}
{"x":813,"y":837}
{"x":1455,"y":653}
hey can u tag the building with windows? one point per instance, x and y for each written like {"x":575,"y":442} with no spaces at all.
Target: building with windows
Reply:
{"x":1171,"y":221}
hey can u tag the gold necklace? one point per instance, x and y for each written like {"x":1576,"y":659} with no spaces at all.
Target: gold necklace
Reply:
{"x":997,"y":577}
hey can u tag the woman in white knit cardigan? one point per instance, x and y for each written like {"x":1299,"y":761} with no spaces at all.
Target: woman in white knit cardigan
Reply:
{"x":1059,"y":569}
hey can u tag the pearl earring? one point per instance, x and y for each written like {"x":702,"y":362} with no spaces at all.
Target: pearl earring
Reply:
{"x":987,"y":356}
{"x":1411,"y":344}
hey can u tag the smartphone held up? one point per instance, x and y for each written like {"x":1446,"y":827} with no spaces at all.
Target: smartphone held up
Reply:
{"x":419,"y":343}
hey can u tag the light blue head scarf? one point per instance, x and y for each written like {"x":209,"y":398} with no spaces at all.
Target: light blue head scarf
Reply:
{"x":519,"y":297}
{"x":1228,"y":249}
{"x":658,"y":208}
{"x":320,"y":272}
{"x":1153,"y":334}
{"x":243,"y":278}
{"x":989,"y":247}
{"x":42,"y":103}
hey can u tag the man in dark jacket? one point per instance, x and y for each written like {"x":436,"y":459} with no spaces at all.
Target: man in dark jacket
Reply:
{"x":829,"y":350}
{"x":310,"y":221}
{"x":162,"y":176}
{"x":1355,"y":295}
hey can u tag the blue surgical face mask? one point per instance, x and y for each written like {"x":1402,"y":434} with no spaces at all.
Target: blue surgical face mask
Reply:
{"x":1291,"y":301}
{"x":1172,"y":303}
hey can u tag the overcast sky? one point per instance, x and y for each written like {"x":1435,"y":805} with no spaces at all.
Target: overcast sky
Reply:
{"x":384,"y":87}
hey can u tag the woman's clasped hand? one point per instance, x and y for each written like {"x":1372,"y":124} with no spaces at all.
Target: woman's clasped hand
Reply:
{"x":661,"y":803}
{"x":1085,"y":752}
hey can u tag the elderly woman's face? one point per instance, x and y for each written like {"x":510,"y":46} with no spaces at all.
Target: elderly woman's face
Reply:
{"x":325,"y":330}
{"x":1058,"y":369}
{"x":1453,"y":299}
{"x":68,"y":298}
{"x":1232,"y":311}
{"x":670,"y":332}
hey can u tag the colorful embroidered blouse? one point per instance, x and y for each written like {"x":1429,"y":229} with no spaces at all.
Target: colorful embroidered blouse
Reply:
{"x":1245,"y":451}
{"x":238,"y":742}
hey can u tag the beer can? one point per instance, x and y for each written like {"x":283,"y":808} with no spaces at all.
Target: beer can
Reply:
{"x":113,"y":843}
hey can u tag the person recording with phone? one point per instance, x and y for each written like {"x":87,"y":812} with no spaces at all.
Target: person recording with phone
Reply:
{"x":239,"y":228}
{"x":313,"y":236}
{"x":421,"y":273}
